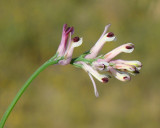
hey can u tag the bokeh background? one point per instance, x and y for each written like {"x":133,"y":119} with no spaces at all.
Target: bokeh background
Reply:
{"x":62,"y":96}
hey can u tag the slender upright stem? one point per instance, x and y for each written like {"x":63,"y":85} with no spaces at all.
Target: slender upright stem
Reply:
{"x":24,"y":87}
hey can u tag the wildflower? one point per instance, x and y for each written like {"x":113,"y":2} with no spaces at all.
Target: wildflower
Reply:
{"x":101,"y":67}
{"x":102,"y":78}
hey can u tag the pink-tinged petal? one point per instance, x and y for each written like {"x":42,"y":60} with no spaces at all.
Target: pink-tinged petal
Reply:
{"x":95,"y":73}
{"x":135,"y":63}
{"x":62,"y":47}
{"x":94,"y":85}
{"x":63,"y":62}
{"x":100,"y":43}
{"x":119,"y":75}
{"x":126,"y":48}
{"x":69,"y":43}
{"x":104,"y":32}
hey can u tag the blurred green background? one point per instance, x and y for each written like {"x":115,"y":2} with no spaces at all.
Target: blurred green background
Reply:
{"x":62,"y":96}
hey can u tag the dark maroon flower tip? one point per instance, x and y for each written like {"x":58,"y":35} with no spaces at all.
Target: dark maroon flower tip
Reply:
{"x":129,"y":47}
{"x":105,"y":80}
{"x":72,"y":31}
{"x":125,"y":70}
{"x":76,"y":39}
{"x":136,"y":71}
{"x":110,"y":34}
{"x":125,"y":77}
{"x":69,"y":29}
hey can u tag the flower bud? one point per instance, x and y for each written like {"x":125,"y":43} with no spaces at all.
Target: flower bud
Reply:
{"x":126,"y":48}
{"x":63,"y":45}
{"x":135,"y":63}
{"x":105,"y":37}
{"x":119,"y":75}
{"x":125,"y":67}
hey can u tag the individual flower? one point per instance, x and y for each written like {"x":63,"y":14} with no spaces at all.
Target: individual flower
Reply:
{"x":105,"y":37}
{"x":135,"y":63}
{"x":126,"y":48}
{"x":91,"y":71}
{"x":67,"y":45}
{"x":63,"y":45}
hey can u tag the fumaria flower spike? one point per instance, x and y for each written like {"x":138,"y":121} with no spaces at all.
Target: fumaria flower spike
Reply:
{"x":101,"y":67}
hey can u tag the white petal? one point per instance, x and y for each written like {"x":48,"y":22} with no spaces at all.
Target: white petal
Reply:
{"x":128,"y":50}
{"x":108,"y":39}
{"x":77,"y":44}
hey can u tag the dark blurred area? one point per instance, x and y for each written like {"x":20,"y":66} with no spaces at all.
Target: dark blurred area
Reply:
{"x":62,"y":96}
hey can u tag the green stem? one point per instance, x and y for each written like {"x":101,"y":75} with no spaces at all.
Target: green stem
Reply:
{"x":24,"y":87}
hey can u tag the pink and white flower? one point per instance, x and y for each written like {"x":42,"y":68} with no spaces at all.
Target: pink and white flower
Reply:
{"x":67,"y":45}
{"x":100,"y":67}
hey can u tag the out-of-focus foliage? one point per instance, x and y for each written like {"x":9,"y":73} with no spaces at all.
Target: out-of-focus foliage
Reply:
{"x":62,"y":96}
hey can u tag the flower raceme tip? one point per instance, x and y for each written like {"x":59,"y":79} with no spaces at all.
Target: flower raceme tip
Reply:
{"x":101,"y":67}
{"x":65,"y":34}
{"x":67,"y":45}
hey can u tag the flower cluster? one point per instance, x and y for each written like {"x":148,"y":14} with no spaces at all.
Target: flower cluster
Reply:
{"x":101,"y":67}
